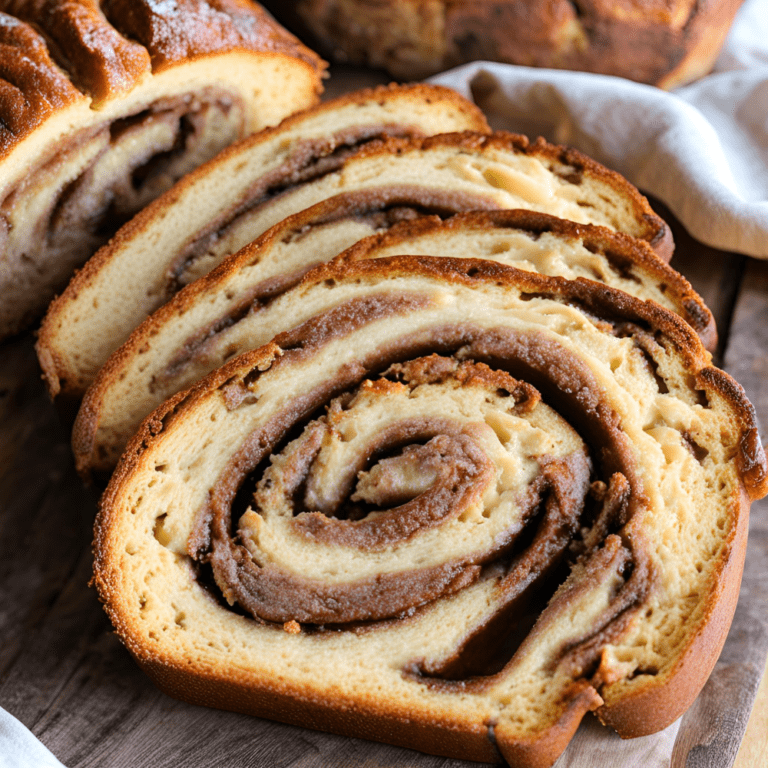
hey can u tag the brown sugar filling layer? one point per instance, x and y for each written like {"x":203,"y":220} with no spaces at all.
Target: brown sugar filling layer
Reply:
{"x":377,"y":209}
{"x":310,"y":159}
{"x":398,"y":206}
{"x":314,"y":159}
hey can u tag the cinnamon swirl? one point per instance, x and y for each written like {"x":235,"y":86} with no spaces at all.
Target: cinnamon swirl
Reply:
{"x":232,"y":309}
{"x":167,"y":247}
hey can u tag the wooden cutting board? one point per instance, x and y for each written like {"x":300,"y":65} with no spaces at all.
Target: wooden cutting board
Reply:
{"x":64,"y":674}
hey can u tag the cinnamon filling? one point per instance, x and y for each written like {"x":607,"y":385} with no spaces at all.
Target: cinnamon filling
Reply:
{"x":345,"y":486}
{"x":205,"y":343}
{"x":311,"y":160}
{"x":378,"y":209}
{"x":439,"y":462}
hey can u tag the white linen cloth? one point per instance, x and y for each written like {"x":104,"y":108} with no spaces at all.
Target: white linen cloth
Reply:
{"x":702,"y":149}
{"x":19,"y":748}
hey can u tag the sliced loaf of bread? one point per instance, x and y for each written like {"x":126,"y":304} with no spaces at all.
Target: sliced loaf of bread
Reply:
{"x":103,"y":106}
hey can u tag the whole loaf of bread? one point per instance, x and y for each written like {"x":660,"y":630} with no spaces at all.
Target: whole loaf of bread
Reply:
{"x":659,"y":42}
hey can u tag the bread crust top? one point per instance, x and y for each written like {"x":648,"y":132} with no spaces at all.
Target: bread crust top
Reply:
{"x":55,"y":53}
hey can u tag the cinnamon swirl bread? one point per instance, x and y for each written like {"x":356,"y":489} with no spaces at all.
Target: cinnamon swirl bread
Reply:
{"x":232,"y":309}
{"x":167,"y":247}
{"x":105,"y":104}
{"x":455,"y":507}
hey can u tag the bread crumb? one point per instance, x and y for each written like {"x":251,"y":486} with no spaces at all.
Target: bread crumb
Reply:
{"x":292,"y":627}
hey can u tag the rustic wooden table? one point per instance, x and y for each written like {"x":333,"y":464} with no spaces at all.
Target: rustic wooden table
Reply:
{"x":65,"y":675}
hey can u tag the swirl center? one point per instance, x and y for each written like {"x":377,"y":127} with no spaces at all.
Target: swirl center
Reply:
{"x":403,"y":492}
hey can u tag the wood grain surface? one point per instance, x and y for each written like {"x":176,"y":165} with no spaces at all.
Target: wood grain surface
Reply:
{"x":64,"y":674}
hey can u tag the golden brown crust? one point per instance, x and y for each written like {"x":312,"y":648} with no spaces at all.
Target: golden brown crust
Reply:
{"x":32,"y":87}
{"x":188,"y":29}
{"x":236,"y":692}
{"x":294,"y":707}
{"x":99,"y":60}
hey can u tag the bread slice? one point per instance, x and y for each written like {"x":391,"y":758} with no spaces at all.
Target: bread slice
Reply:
{"x":175,"y":242}
{"x":353,"y":527}
{"x":231,"y":309}
{"x":103,"y":106}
